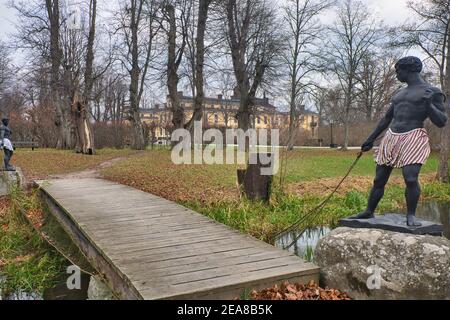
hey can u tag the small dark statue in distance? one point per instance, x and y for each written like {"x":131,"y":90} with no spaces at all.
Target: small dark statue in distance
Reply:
{"x":6,"y":144}
{"x":405,"y":144}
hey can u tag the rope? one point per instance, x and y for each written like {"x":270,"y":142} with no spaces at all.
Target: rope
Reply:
{"x":317,"y":209}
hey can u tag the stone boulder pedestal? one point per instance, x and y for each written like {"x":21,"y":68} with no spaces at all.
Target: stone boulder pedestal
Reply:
{"x":10,"y":179}
{"x":98,"y":290}
{"x":381,"y":264}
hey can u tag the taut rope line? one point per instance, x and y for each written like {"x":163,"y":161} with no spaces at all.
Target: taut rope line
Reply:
{"x":317,"y":209}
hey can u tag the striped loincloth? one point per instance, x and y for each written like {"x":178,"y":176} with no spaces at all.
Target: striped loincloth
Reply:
{"x":7,"y":144}
{"x":402,"y":149}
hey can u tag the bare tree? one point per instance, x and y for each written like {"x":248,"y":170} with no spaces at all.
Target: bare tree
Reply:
{"x":431,"y":33}
{"x":5,"y":68}
{"x":175,"y":54}
{"x":254,"y":41}
{"x":352,"y":38}
{"x":139,"y":26}
{"x":85,"y":141}
{"x":60,"y":42}
{"x":303,"y":33}
{"x":198,"y":63}
{"x":61,"y":114}
{"x":377,"y":82}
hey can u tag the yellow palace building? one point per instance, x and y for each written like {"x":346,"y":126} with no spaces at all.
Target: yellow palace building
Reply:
{"x":221,"y":113}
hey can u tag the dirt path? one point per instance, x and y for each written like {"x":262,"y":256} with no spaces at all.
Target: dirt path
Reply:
{"x":94,"y":172}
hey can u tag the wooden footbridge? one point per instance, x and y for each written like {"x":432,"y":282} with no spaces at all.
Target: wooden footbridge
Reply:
{"x":147,"y":247}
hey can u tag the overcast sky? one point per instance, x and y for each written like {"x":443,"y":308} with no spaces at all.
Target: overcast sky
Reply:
{"x":391,"y":11}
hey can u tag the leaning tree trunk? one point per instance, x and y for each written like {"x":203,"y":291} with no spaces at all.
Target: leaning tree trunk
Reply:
{"x":82,"y":123}
{"x":83,"y":130}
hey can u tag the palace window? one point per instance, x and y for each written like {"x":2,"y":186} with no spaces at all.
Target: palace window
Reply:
{"x":258,"y":119}
{"x":265,"y":120}
{"x":216,"y":118}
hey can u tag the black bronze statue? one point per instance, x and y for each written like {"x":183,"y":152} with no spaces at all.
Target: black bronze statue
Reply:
{"x":406,"y":144}
{"x":6,"y":144}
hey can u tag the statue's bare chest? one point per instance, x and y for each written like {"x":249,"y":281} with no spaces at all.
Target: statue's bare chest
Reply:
{"x":410,"y":102}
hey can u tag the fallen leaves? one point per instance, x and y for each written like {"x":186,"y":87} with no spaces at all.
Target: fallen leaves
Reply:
{"x":41,"y":163}
{"x":155,"y":173}
{"x":17,"y":260}
{"x":353,"y":183}
{"x":4,"y":206}
{"x":288,"y":291}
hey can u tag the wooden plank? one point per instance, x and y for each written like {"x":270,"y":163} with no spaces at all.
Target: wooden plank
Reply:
{"x":127,"y":251}
{"x":207,"y":286}
{"x":182,"y":252}
{"x":181,"y":262}
{"x":149,"y":227}
{"x":245,"y":268}
{"x":161,"y":223}
{"x":141,"y":235}
{"x":175,"y":267}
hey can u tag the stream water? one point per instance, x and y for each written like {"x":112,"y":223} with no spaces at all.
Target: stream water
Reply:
{"x":305,"y":245}
{"x":304,"y":248}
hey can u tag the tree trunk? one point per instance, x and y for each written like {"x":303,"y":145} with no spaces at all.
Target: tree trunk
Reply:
{"x":244,"y":110}
{"x":348,"y":103}
{"x":199,"y":63}
{"x":172,"y":71}
{"x":292,"y":135}
{"x":83,"y":124}
{"x":83,"y":132}
{"x":61,"y":120}
{"x":134,"y":113}
{"x":292,"y":115}
{"x":443,"y":170}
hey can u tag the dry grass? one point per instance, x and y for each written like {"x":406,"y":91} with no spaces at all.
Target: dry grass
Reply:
{"x":155,"y":173}
{"x":41,"y":163}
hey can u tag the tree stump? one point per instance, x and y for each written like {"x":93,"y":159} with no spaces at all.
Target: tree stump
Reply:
{"x":254,"y":185}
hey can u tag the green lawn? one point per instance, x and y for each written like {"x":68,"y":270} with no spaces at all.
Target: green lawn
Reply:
{"x":307,"y":165}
